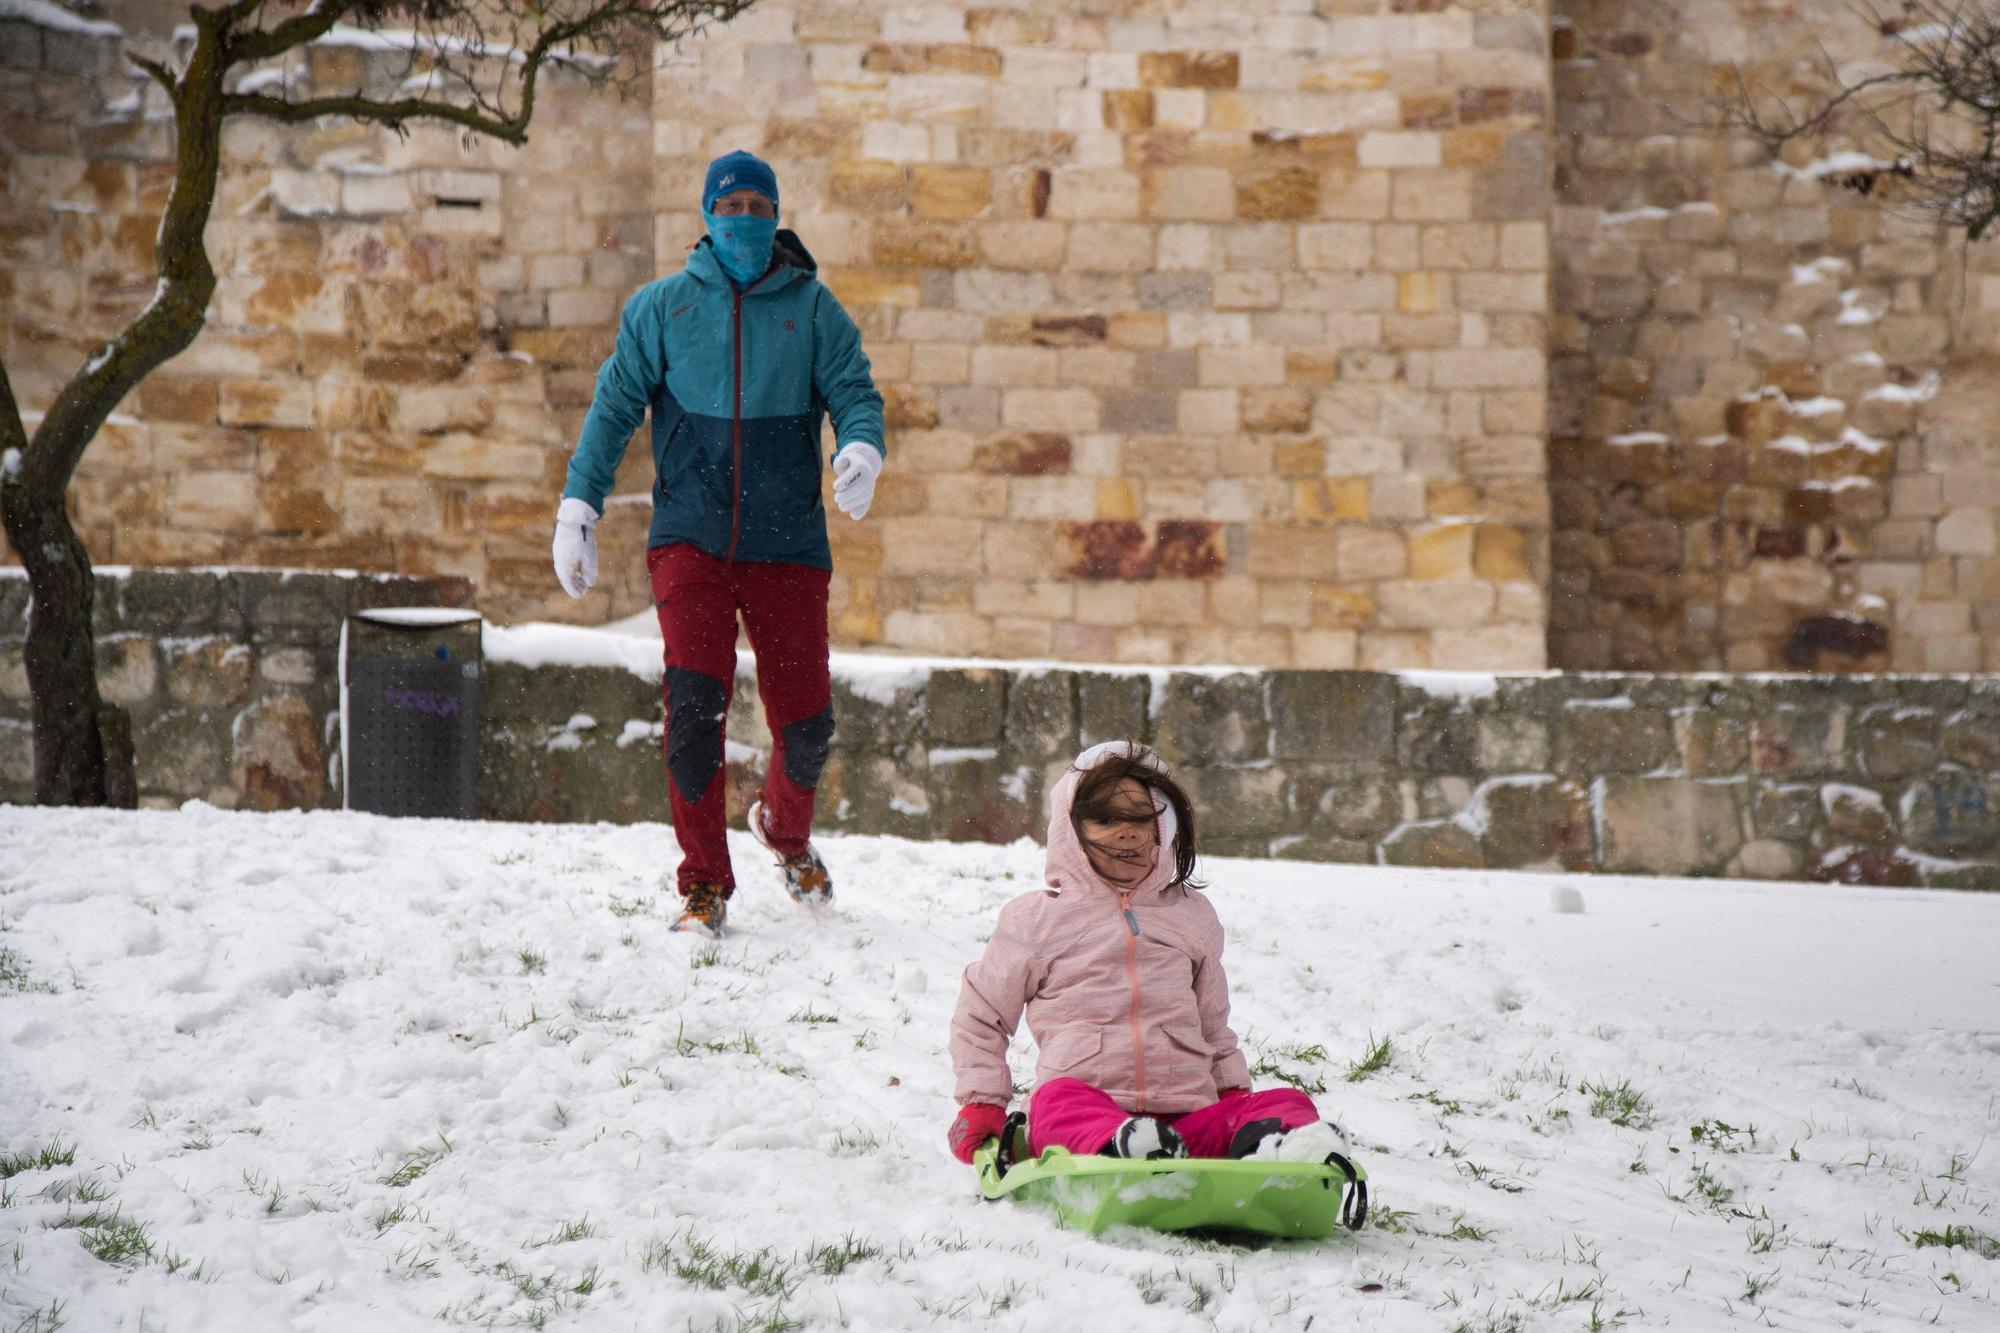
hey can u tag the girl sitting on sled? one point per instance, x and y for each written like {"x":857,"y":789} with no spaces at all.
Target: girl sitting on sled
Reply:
{"x":1117,"y":966}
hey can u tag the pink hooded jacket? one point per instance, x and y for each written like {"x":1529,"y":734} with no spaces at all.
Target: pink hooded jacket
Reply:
{"x":1122,"y":989}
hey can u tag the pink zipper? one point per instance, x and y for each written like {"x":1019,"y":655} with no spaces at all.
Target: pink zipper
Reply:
{"x":1132,"y":974}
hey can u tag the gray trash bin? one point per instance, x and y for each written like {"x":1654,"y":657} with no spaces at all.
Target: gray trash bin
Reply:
{"x":409,"y":711}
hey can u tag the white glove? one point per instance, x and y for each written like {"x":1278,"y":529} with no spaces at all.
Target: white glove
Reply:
{"x":854,"y":467}
{"x":576,"y":546}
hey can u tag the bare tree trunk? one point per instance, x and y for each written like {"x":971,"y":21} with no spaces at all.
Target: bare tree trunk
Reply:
{"x":74,"y":765}
{"x":62,"y":665}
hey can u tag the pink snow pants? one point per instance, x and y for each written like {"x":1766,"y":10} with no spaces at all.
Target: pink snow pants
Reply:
{"x":1069,"y":1113}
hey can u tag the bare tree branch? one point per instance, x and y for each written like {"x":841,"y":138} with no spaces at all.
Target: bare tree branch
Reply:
{"x":13,"y":435}
{"x":393,"y":114}
{"x":316,"y":22}
{"x":159,"y":73}
{"x":1932,"y":122}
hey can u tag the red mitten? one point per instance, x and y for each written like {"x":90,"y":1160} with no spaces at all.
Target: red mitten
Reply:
{"x":976,"y":1123}
{"x":1231,"y":1094}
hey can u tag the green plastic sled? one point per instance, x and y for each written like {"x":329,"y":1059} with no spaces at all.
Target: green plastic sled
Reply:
{"x":1291,"y":1199}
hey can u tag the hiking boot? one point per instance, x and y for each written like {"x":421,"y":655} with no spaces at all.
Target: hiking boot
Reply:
{"x":805,"y":874}
{"x":1317,"y":1142}
{"x":703,"y":909}
{"x":1252,"y":1136}
{"x":1146,"y":1139}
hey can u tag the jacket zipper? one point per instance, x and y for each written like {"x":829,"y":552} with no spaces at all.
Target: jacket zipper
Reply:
{"x":736,"y":412}
{"x":736,"y":419}
{"x":1132,"y":974}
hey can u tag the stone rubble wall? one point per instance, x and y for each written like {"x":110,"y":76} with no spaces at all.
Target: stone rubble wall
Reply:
{"x":1883,"y":780}
{"x":1772,"y":394}
{"x":231,"y":678}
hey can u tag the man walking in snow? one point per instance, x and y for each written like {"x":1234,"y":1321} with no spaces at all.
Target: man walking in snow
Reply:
{"x":736,"y":357}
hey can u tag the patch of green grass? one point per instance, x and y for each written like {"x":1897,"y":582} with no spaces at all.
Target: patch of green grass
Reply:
{"x":418,"y":1162}
{"x":759,"y":1272}
{"x":774,"y":1320}
{"x":111,"y":1237}
{"x":1766,"y":1238}
{"x":564,"y":1234}
{"x":1623,"y":1105}
{"x":1373,"y":1062}
{"x":42,"y":1319}
{"x":1705,"y":1188}
{"x":1393,"y":1220}
{"x":1464,"y":1230}
{"x":1310,"y":1084}
{"x":1554,"y":1298}
{"x":810,"y":1016}
{"x":1507,"y":1321}
{"x":708,"y":955}
{"x":176,"y":1262}
{"x":532,"y":963}
{"x":14,"y":975}
{"x":1445,"y":1105}
{"x":49,"y":1156}
{"x":833,"y":1260}
{"x":390,"y":1217}
{"x":1490,"y":1178}
{"x":858,"y":1143}
{"x":411,"y":1261}
{"x":1720,"y":1136}
{"x":1599,"y":1320}
{"x":84,"y":1189}
{"x":1956,"y":1237}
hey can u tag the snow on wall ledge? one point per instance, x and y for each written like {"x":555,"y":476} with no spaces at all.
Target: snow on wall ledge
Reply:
{"x":230,"y":678}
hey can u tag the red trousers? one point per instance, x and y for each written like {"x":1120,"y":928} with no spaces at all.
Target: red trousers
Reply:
{"x":784,"y":611}
{"x":1069,"y":1113}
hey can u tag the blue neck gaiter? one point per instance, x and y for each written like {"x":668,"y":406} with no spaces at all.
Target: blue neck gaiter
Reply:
{"x":742,"y":244}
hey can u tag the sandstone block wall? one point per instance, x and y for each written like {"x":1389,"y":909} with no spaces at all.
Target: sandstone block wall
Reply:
{"x":1208,"y":332}
{"x":1254,"y":333}
{"x":1773,"y":396}
{"x":1884,"y":780}
{"x":402,"y":340}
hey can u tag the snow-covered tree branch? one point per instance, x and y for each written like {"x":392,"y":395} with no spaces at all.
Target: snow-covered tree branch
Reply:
{"x":1929,"y":123}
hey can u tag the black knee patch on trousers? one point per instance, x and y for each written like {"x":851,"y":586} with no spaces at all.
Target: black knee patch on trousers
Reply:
{"x":696,"y":705}
{"x":806,"y":743}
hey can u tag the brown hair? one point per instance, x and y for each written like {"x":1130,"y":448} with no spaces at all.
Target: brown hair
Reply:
{"x":1096,"y":798}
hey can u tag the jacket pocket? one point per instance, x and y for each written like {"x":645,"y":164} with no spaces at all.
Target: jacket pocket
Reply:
{"x":1191,"y":1041}
{"x":1071,"y":1047}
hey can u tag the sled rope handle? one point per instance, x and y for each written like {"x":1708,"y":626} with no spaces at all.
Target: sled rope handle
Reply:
{"x":1353,"y":1208}
{"x":1003,"y":1158}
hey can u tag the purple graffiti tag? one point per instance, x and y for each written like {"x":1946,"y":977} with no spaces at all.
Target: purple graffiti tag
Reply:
{"x":422,"y":701}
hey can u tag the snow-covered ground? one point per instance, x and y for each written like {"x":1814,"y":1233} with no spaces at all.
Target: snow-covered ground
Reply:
{"x":339,"y":1072}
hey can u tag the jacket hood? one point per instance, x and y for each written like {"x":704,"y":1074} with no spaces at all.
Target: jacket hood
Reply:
{"x":789,"y":260}
{"x":1067,"y":864}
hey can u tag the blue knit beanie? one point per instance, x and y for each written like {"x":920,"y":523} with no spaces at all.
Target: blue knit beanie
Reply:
{"x":738,"y":171}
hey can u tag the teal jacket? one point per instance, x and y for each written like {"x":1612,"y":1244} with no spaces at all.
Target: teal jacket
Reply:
{"x":737,"y":380}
